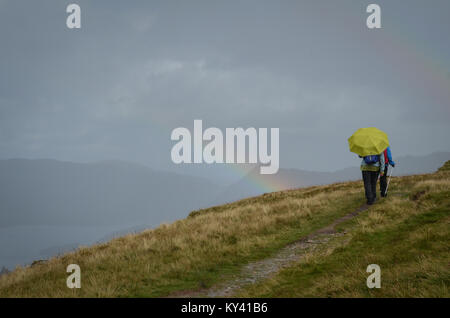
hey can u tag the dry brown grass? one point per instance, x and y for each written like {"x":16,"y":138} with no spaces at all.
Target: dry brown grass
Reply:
{"x":212,"y":244}
{"x":188,"y":253}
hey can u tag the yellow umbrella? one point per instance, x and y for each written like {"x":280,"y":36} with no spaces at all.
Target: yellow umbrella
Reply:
{"x":368,"y":141}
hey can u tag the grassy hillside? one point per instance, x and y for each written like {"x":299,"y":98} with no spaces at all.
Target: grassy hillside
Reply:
{"x":407,"y":234}
{"x":445,"y":167}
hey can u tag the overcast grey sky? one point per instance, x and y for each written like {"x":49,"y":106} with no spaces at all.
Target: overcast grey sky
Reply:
{"x":138,"y":69}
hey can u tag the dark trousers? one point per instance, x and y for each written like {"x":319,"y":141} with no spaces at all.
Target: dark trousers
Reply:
{"x":370,"y":185}
{"x":383,"y":182}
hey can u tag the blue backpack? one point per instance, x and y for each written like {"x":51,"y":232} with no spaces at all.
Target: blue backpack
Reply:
{"x":371,"y":159}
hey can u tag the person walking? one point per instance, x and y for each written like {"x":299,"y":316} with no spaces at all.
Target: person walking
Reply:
{"x":371,"y":167}
{"x":383,"y":178}
{"x":369,"y":144}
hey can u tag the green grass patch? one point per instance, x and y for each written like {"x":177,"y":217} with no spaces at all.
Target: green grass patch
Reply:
{"x":412,"y":250}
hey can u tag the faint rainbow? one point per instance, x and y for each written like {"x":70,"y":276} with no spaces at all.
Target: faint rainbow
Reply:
{"x":265,"y":183}
{"x":423,"y":63}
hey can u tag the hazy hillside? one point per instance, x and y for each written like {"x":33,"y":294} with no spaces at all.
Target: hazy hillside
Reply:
{"x":254,"y":183}
{"x":50,"y":192}
{"x":221,"y":248}
{"x":408,"y":165}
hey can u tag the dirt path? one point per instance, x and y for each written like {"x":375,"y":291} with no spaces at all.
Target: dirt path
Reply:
{"x":263,"y":269}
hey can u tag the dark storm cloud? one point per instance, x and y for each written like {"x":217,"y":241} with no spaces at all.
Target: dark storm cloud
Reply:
{"x":117,"y":87}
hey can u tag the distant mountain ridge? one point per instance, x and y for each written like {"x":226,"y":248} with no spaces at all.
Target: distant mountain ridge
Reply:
{"x":51,"y":192}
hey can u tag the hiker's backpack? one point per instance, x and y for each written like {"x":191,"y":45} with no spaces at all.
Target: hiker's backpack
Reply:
{"x":371,"y":159}
{"x":386,"y":159}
